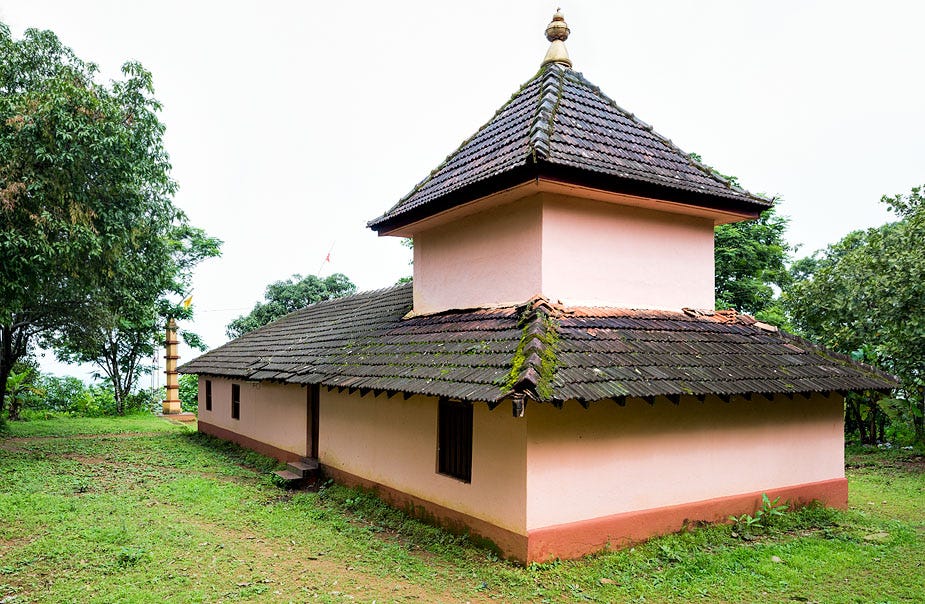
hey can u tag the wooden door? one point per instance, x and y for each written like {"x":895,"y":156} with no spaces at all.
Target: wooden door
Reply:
{"x":312,"y":412}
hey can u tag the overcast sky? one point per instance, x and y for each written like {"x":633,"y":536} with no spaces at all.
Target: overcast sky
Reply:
{"x":291,"y":124}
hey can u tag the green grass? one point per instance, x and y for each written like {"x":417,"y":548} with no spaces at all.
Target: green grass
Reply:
{"x":142,"y":510}
{"x":72,"y":426}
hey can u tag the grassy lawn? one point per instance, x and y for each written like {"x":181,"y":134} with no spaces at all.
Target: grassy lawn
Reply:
{"x":141,"y":510}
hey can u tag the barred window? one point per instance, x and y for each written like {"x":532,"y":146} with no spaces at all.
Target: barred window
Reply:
{"x":235,"y":401}
{"x":454,"y":443}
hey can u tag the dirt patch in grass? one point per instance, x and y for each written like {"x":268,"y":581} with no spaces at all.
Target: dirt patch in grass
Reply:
{"x":285,"y":564}
{"x":872,"y":457}
{"x":913,"y":463}
{"x":106,"y":436}
{"x":85,"y":459}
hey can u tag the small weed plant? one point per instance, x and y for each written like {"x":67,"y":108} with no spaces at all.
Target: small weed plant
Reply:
{"x":130,"y":556}
{"x":766,"y":517}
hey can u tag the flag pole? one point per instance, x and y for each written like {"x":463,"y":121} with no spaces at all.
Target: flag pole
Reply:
{"x":327,"y":258}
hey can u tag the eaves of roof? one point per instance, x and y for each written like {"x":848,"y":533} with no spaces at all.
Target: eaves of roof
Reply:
{"x":538,"y":351}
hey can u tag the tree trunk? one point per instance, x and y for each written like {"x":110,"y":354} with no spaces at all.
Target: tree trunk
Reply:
{"x":117,"y":392}
{"x":112,"y":369}
{"x":14,"y":342}
{"x":15,"y":406}
{"x":6,"y":361}
{"x":5,"y":369}
{"x":918,"y":421}
{"x":854,"y":410}
{"x":120,"y":398}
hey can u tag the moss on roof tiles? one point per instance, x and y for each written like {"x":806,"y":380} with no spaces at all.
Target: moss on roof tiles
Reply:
{"x":583,"y":354}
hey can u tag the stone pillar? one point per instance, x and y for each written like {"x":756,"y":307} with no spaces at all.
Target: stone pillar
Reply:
{"x":172,"y":402}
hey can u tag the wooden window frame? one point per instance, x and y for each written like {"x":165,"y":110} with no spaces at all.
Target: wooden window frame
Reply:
{"x":208,"y":396}
{"x":236,"y":401}
{"x":454,"y":439}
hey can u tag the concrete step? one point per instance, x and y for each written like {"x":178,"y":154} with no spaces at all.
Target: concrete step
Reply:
{"x":288,"y":475}
{"x":300,"y":468}
{"x":311,"y":461}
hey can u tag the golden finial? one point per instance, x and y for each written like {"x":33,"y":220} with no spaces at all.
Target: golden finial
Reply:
{"x":557,"y":33}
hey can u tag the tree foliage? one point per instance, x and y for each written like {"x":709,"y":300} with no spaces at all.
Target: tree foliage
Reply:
{"x":129,"y":314}
{"x":21,"y":388}
{"x":71,"y":396}
{"x":864,"y":296}
{"x":751,"y":261}
{"x":189,"y":392}
{"x":86,"y":215}
{"x":284,"y":297}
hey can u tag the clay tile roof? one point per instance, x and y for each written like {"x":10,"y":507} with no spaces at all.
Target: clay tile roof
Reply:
{"x":548,"y":352}
{"x":561,"y":126}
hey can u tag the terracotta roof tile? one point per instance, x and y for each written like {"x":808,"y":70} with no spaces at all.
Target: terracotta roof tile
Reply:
{"x":586,"y":354}
{"x":559,"y":120}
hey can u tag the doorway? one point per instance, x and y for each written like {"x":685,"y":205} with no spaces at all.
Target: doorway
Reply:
{"x":311,"y":437}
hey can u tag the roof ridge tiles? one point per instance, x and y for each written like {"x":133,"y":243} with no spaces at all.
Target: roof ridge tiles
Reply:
{"x":540,"y":131}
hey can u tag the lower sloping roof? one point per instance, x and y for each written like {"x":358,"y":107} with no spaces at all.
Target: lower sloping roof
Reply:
{"x":547,"y":352}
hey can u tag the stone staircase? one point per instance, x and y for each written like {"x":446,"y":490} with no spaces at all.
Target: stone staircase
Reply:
{"x":298,"y":474}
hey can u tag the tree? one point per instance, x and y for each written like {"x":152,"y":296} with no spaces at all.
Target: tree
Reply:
{"x":408,"y":243}
{"x":189,"y":391}
{"x":284,"y":297}
{"x":41,"y":244}
{"x":863,"y":296}
{"x":129,"y":314}
{"x":751,"y":260}
{"x":85,"y":194}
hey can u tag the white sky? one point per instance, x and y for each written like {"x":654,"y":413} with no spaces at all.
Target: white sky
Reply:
{"x":291,"y":124}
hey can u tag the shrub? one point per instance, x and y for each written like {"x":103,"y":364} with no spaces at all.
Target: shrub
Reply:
{"x":61,"y":393}
{"x":71,"y":396}
{"x":189,"y":392}
{"x":147,"y":400}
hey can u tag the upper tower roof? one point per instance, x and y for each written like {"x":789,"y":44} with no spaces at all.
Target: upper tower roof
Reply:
{"x":561,"y":127}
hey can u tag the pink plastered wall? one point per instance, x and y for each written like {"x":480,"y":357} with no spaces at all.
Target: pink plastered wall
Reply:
{"x":585,"y":464}
{"x":393,"y":442}
{"x":569,"y":249}
{"x":275,"y":414}
{"x":489,"y":258}
{"x":605,"y":254}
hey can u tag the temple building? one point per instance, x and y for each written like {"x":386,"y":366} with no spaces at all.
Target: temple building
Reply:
{"x":556,"y":379}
